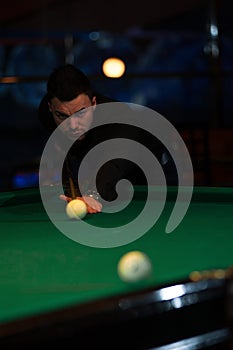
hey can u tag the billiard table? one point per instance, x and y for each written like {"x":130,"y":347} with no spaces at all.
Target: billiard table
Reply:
{"x":56,"y":291}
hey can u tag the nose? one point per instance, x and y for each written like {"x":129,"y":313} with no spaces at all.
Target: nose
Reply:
{"x":73,"y":123}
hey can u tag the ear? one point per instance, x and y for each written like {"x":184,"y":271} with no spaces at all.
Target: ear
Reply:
{"x":93,"y":101}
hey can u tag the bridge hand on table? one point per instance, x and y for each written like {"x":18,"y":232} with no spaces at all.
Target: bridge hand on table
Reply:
{"x":93,"y":206}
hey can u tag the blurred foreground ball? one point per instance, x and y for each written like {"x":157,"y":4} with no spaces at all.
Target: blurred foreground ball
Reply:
{"x":134,"y":266}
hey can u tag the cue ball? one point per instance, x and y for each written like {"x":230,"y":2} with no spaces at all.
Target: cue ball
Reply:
{"x":76,"y":209}
{"x":134,"y":266}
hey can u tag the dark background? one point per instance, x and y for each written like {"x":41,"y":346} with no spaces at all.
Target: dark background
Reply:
{"x":179,"y":62}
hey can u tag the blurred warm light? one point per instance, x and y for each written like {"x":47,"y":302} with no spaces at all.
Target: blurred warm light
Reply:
{"x":9,"y":80}
{"x":113,"y":67}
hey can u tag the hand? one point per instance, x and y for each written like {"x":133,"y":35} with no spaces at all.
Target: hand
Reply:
{"x":93,"y":206}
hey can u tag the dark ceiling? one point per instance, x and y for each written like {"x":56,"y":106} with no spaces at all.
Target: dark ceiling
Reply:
{"x":117,"y":15}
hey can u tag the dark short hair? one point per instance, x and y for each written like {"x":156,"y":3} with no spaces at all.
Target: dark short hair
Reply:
{"x":67,"y":82}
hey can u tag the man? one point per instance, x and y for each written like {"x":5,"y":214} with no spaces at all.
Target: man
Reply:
{"x":71,"y":101}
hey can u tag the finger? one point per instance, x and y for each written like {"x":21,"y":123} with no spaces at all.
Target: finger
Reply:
{"x":91,"y":210}
{"x":92,"y":203}
{"x":64,"y":198}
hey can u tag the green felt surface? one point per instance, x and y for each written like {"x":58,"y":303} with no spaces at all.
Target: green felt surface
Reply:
{"x":42,"y":269}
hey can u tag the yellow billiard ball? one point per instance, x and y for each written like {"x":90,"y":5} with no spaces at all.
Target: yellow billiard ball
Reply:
{"x":134,"y":266}
{"x":76,"y":209}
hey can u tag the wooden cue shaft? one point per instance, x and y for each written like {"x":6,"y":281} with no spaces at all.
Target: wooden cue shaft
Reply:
{"x":72,"y":188}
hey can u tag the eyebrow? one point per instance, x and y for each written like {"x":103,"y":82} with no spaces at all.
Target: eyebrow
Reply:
{"x":66,"y":115}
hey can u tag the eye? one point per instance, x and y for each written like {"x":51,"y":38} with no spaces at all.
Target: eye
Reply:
{"x":61,"y":116}
{"x":81,"y":113}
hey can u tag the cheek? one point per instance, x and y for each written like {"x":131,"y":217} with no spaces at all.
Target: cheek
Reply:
{"x":64,"y":126}
{"x":90,"y":119}
{"x":56,"y":120}
{"x":59,"y":121}
{"x":87,"y":122}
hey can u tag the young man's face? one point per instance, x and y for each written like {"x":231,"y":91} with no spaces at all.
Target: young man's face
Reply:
{"x":76,"y":115}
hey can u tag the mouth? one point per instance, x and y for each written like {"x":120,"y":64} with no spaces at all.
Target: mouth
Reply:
{"x":76,"y":135}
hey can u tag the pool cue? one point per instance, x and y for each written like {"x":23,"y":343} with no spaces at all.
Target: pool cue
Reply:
{"x":72,"y":188}
{"x":71,"y":182}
